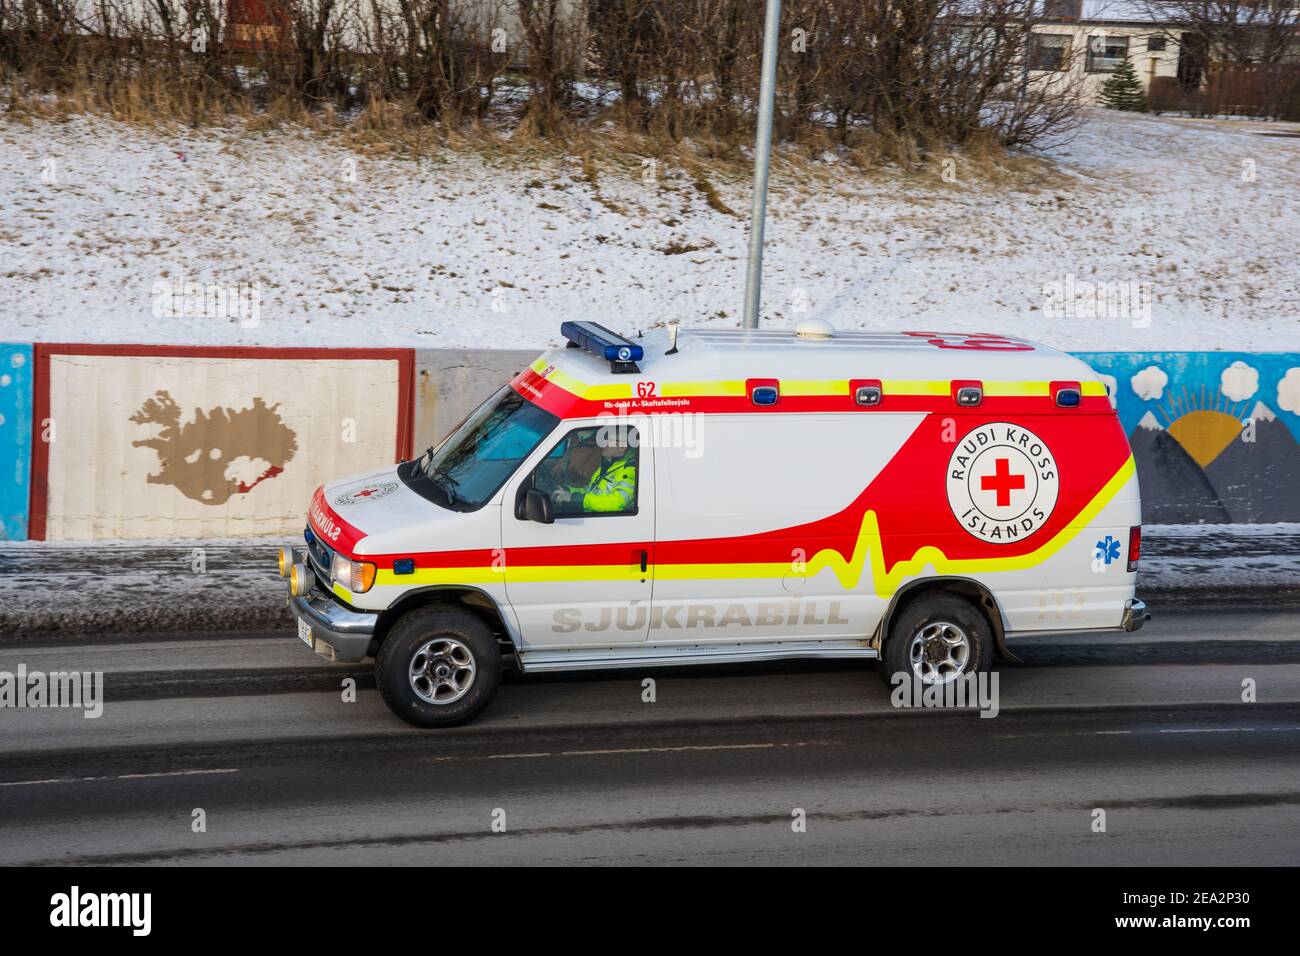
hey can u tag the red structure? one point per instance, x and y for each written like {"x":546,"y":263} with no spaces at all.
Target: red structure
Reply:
{"x":257,"y":25}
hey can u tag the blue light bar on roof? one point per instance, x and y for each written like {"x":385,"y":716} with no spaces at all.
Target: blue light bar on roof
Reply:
{"x":621,"y":354}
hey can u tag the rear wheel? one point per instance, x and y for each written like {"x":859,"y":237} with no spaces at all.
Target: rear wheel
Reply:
{"x":935,"y":639}
{"x":438,"y":667}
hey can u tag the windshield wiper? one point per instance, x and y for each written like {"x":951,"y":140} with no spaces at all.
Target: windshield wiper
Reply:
{"x":441,"y":478}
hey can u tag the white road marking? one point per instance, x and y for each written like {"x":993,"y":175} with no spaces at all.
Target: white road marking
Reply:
{"x":632,"y":750}
{"x":1187,"y":730}
{"x":1215,"y":730}
{"x":503,"y":757}
{"x":121,"y":776}
{"x":666,"y":750}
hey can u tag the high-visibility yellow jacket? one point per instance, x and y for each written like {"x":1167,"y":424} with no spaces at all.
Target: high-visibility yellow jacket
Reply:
{"x":612,"y":487}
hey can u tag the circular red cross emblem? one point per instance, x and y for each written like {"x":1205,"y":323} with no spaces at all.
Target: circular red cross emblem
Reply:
{"x":1002,"y":482}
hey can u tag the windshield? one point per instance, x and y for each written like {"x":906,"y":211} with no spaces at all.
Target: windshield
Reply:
{"x":468,"y":468}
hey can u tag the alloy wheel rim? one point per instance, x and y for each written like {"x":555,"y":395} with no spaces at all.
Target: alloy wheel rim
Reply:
{"x":442,"y":671}
{"x":939,"y":652}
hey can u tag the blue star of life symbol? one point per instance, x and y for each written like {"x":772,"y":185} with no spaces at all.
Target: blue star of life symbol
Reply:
{"x":1107,"y":550}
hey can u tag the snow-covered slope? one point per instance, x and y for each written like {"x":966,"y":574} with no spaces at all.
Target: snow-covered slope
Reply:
{"x":344,"y":249}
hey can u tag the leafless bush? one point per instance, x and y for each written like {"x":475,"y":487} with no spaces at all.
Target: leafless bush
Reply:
{"x":431,"y":53}
{"x":917,"y":74}
{"x":553,"y":60}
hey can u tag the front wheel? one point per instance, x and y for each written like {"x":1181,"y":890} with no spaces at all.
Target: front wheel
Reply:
{"x":935,"y":639}
{"x":438,"y":667}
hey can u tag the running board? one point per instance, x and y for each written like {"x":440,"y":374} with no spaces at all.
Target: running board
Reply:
{"x":602,"y":658}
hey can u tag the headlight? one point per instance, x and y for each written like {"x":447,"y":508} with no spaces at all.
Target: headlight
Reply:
{"x":286,"y":561}
{"x":356,"y":576}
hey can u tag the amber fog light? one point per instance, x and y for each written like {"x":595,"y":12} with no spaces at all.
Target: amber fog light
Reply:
{"x":284,"y":557}
{"x":300,"y":580}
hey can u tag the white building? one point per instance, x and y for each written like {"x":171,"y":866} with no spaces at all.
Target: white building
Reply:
{"x":1084,"y":41}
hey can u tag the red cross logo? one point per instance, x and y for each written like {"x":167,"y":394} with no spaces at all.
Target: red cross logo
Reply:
{"x":367,"y":492}
{"x":1003,"y":482}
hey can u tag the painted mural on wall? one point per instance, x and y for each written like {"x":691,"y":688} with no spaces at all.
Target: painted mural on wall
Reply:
{"x":1216,"y":435}
{"x":162,"y":442}
{"x":216,"y":453}
{"x":15,"y":439}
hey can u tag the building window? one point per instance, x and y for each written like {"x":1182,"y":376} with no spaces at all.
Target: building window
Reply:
{"x":1049,"y":51}
{"x":1155,"y":44}
{"x":1105,"y":54}
{"x":1063,"y":9}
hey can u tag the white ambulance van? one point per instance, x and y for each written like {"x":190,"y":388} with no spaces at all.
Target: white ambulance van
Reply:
{"x":719,"y":496}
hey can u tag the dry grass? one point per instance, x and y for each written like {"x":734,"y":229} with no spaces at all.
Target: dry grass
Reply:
{"x":710,"y":193}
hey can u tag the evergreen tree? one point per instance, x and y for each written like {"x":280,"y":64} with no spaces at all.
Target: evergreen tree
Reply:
{"x":1123,"y":90}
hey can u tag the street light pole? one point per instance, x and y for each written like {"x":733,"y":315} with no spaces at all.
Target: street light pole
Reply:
{"x":762,"y":161}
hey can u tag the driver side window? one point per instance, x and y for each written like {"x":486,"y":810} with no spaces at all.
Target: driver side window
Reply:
{"x":591,"y":472}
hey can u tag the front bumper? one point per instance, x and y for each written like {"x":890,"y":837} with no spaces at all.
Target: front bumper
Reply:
{"x":338,"y":633}
{"x":1135,"y":615}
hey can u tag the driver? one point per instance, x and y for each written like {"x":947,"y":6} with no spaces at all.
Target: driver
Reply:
{"x":580,"y":462}
{"x":612,"y":485}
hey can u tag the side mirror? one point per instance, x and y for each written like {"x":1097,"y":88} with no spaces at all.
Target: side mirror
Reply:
{"x":537,"y":507}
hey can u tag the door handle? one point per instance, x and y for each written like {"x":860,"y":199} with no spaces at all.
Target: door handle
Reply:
{"x":645,"y":560}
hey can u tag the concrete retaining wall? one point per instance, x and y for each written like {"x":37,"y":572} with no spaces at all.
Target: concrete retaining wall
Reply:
{"x":150,"y":442}
{"x":450,"y":383}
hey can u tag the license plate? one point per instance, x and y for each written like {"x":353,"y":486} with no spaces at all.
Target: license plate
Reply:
{"x":304,"y":631}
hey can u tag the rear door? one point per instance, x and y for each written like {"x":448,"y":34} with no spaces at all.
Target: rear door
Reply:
{"x":586,"y":579}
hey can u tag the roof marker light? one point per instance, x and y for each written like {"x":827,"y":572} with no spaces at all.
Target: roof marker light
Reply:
{"x":968,"y":393}
{"x":621,"y":354}
{"x":1067,"y":394}
{"x":866,"y":391}
{"x":763,"y":391}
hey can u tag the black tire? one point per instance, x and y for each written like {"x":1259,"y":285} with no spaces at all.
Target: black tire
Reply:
{"x":941,"y":607}
{"x":413,"y":631}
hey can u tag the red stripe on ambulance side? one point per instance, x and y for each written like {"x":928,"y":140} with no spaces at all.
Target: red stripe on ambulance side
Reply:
{"x":910,"y":499}
{"x":554,"y":556}
{"x":325,"y":521}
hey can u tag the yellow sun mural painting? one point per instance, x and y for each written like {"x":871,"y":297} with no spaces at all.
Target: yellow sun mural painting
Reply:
{"x":1216,"y":435}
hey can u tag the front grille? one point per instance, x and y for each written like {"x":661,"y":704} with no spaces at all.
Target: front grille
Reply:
{"x":321,"y":557}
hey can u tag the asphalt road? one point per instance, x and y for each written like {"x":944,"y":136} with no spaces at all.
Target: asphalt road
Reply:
{"x":253,"y":731}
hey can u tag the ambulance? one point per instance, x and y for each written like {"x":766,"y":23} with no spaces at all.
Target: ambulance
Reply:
{"x":709,"y":496}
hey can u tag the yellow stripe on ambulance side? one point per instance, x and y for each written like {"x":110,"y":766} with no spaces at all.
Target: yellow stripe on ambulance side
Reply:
{"x":807,"y":388}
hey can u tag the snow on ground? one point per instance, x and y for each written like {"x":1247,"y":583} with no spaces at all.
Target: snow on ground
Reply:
{"x":347,"y":250}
